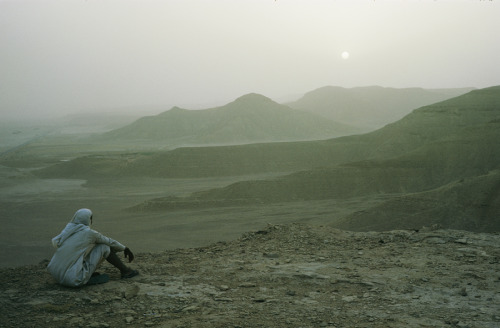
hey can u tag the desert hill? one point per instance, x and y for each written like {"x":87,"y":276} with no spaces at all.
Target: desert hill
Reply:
{"x":279,"y":276}
{"x":468,"y":121}
{"x":449,"y":119}
{"x":471,"y":204}
{"x":472,"y":116}
{"x":463,"y":131}
{"x":434,"y":146}
{"x":370,"y":107}
{"x":249,"y":119}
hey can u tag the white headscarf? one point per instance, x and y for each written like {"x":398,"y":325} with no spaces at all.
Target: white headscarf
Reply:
{"x":80,"y":221}
{"x":82,"y":216}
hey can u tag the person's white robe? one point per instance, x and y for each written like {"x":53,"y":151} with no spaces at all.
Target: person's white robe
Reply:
{"x":79,"y":251}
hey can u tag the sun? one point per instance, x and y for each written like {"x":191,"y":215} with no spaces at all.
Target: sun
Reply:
{"x":345,"y":55}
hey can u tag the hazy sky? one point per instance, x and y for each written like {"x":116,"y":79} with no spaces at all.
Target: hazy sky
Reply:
{"x":72,"y":55}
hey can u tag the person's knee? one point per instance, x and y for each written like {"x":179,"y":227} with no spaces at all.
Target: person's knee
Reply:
{"x":98,"y":254}
{"x":103,"y":250}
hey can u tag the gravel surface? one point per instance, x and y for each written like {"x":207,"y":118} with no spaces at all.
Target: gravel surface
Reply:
{"x":290,"y":275}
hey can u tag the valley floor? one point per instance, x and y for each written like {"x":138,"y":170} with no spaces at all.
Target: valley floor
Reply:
{"x":291,"y":275}
{"x":33,"y":211}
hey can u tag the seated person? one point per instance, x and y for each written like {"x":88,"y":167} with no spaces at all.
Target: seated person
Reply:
{"x":80,"y":250}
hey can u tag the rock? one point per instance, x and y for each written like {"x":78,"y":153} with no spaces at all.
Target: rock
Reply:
{"x":98,"y":325}
{"x":349,"y":299}
{"x":131,"y":292}
{"x":191,"y":308}
{"x":76,"y":321}
{"x":310,"y":275}
{"x":247,"y":285}
{"x":129,"y":312}
{"x":129,"y":319}
{"x":59,"y":318}
{"x":435,"y":240}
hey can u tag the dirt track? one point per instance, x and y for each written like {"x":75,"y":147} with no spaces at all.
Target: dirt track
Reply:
{"x":283,"y":276}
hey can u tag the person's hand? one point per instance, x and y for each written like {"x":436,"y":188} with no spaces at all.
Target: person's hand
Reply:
{"x":128,"y":254}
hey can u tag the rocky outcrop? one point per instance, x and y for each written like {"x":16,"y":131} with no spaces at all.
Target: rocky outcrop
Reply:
{"x":282,"y":276}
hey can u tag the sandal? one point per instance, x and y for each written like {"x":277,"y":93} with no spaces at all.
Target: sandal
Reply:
{"x":98,"y":279}
{"x":130,"y":274}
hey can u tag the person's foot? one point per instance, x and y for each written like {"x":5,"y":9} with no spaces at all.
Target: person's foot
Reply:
{"x":129,"y":274}
{"x":98,"y":279}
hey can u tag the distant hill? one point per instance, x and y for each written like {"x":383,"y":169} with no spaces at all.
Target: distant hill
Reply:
{"x":466,"y":120}
{"x":249,"y":119}
{"x":429,"y":151}
{"x":370,"y":108}
{"x":447,"y":152}
{"x":454,"y":130}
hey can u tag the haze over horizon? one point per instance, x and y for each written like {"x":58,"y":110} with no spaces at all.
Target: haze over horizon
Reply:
{"x":65,"y":57}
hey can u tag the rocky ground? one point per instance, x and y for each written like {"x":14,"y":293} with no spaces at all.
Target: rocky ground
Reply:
{"x":283,"y":276}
